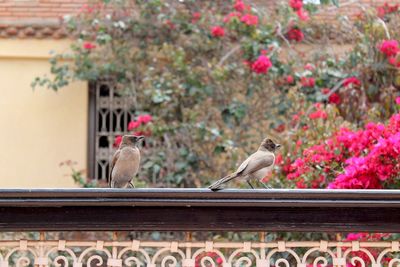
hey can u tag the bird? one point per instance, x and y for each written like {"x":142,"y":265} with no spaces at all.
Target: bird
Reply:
{"x":125,"y":162}
{"x":256,"y":166}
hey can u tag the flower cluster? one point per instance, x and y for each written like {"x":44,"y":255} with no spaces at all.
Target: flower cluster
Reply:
{"x":307,"y":81}
{"x":391,"y":49}
{"x":297,"y":5}
{"x":386,"y":9}
{"x":242,"y":14}
{"x":261,"y":65}
{"x":295,"y":34}
{"x":217,"y":31}
{"x":354,"y":81}
{"x":365,"y":237}
{"x":367,"y":158}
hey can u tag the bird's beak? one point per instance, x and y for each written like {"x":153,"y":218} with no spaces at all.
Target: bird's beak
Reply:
{"x":139,"y":138}
{"x":278,"y":146}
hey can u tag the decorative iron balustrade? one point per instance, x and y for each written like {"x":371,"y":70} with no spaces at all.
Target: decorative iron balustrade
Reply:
{"x":203,"y":254}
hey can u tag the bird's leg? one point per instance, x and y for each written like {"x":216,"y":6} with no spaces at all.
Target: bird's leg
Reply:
{"x":132,"y":186}
{"x":250,"y":184}
{"x":265,"y":185}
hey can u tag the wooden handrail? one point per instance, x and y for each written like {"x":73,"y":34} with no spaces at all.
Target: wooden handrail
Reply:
{"x":200,"y":210}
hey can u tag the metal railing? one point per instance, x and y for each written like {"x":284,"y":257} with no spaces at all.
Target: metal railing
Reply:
{"x":191,"y":254}
{"x":199,"y":210}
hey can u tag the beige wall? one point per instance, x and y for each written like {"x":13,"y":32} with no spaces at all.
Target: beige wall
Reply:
{"x":41,"y":128}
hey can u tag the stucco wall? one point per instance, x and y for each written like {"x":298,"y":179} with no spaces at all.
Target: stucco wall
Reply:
{"x":41,"y":128}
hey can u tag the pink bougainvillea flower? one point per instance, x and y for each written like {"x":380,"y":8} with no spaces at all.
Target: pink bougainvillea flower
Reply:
{"x":307,"y":82}
{"x":296,"y":4}
{"x":89,"y":46}
{"x":262,"y":64}
{"x":334,"y":99}
{"x":289,"y":79}
{"x":352,"y":81}
{"x":134,"y":124}
{"x":146,"y":118}
{"x":303,"y":14}
{"x":389,"y":47}
{"x":117,"y":141}
{"x":398,"y":100}
{"x":217,"y":31}
{"x":250,"y":20}
{"x":295,"y":34}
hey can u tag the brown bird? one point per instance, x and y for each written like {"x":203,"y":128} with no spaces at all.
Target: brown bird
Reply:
{"x":125,"y":162}
{"x":256,"y":166}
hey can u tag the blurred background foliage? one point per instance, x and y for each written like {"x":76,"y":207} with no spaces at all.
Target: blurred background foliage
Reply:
{"x":219,"y":76}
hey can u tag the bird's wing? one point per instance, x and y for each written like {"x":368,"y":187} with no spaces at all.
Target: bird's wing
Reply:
{"x":243,"y":166}
{"x":257,"y":161}
{"x":113,"y":161}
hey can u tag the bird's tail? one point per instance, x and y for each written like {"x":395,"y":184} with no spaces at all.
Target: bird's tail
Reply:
{"x":218,"y":184}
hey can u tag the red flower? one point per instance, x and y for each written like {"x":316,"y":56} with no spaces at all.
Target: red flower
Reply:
{"x":87,"y":9}
{"x":352,"y":80}
{"x":89,"y":46}
{"x":144,"y":133}
{"x":389,"y":47}
{"x":134,"y":124}
{"x":307,"y":82}
{"x":249,"y":20}
{"x":146,"y":118}
{"x":280,"y":128}
{"x":217,"y":31}
{"x":261,"y":65}
{"x":296,"y":4}
{"x":117,"y":141}
{"x":195,"y":17}
{"x":289,"y":79}
{"x":319,"y":114}
{"x":240,"y":6}
{"x":393,"y":61}
{"x":398,"y":100}
{"x":295,"y":34}
{"x":309,"y":67}
{"x":334,"y":99}
{"x":325,"y":91}
{"x":386,"y":9}
{"x":170,"y":24}
{"x":381,"y":12}
{"x":303,"y":14}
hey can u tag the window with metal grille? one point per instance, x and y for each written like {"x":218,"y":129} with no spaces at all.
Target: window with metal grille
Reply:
{"x":109,"y":115}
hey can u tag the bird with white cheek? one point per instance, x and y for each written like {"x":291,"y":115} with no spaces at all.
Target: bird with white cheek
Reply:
{"x":125,"y":162}
{"x":256,"y":166}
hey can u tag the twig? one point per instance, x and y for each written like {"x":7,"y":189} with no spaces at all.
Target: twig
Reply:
{"x":227,"y":55}
{"x":385,"y":27}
